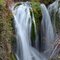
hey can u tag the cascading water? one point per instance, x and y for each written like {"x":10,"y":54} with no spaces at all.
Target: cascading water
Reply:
{"x":23,"y":23}
{"x":54,"y":11}
{"x":47,"y":33}
{"x":23,"y":27}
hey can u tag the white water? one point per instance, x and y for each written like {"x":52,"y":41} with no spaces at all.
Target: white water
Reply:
{"x":23,"y":23}
{"x":53,"y":9}
{"x":23,"y":27}
{"x":47,"y":32}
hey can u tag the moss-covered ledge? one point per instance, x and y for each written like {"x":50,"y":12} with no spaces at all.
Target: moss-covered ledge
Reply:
{"x":6,"y":33}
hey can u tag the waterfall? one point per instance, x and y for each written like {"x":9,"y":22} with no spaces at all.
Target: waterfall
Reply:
{"x":47,"y":33}
{"x":53,"y":9}
{"x":23,"y":27}
{"x":23,"y":23}
{"x":54,"y":12}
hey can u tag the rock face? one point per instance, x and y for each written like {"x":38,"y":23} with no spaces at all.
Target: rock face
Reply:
{"x":5,"y":33}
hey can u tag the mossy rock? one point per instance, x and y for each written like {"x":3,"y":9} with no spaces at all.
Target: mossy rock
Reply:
{"x":38,"y":17}
{"x":6,"y":31}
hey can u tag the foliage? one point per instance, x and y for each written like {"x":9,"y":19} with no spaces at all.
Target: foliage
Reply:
{"x":48,"y":1}
{"x":1,"y":2}
{"x":35,"y":0}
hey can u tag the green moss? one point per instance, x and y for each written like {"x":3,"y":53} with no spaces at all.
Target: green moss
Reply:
{"x":35,"y":0}
{"x":1,"y":2}
{"x":37,"y":13}
{"x":12,"y":56}
{"x":17,"y":4}
{"x":47,"y":2}
{"x":38,"y":17}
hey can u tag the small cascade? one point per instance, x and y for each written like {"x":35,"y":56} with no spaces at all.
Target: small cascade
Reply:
{"x":54,"y":12}
{"x":53,"y":9}
{"x":47,"y":33}
{"x":23,"y":27}
{"x":23,"y":23}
